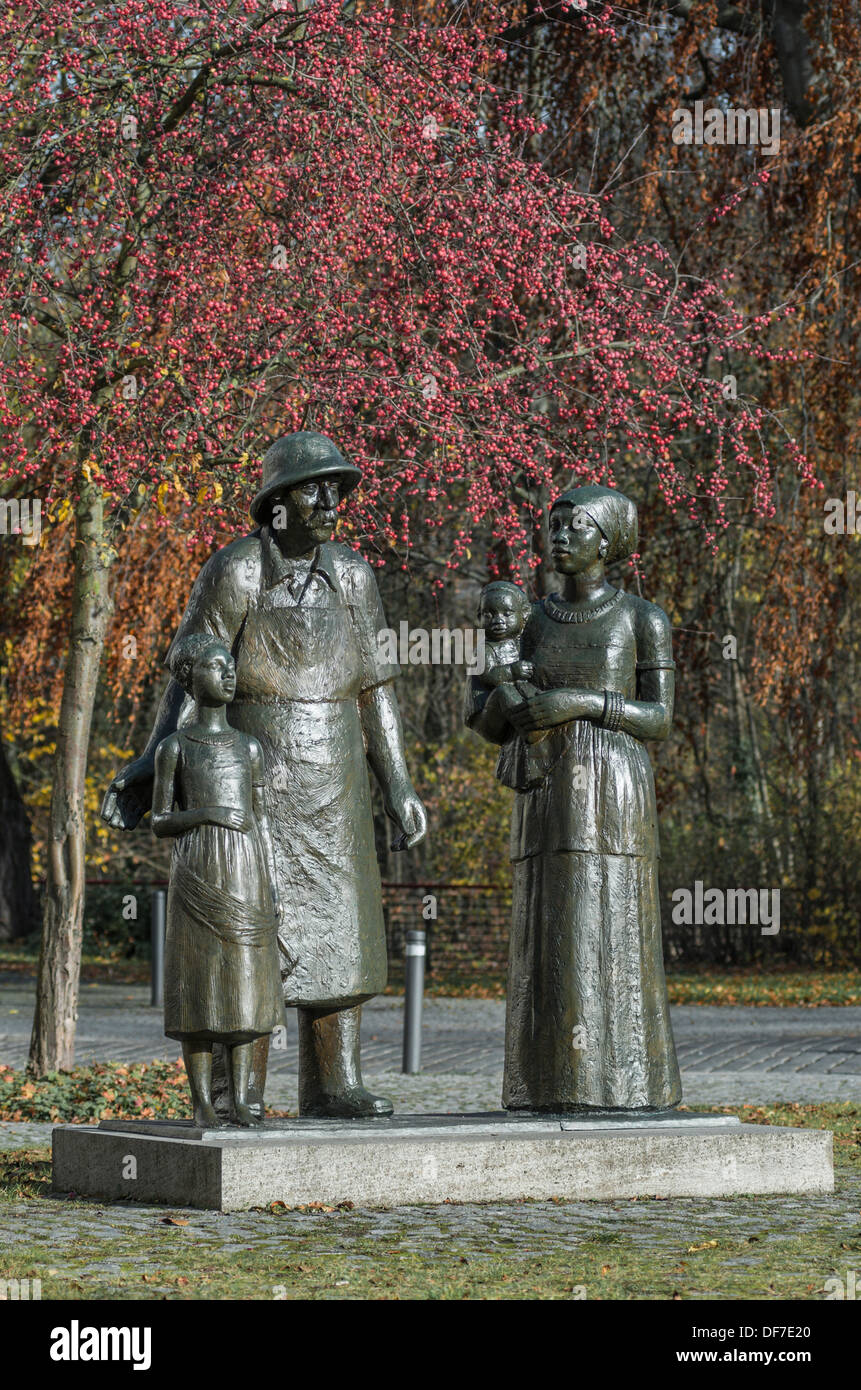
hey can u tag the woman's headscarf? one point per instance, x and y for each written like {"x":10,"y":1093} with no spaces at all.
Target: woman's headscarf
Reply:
{"x":614,"y":514}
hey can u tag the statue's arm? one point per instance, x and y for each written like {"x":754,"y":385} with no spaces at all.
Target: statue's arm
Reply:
{"x":258,"y":782}
{"x":649,"y":717}
{"x":498,"y":675}
{"x":384,"y":747}
{"x":130,"y":794}
{"x":165,"y":820}
{"x":215,"y":606}
{"x":286,"y":955}
{"x":378,"y":706}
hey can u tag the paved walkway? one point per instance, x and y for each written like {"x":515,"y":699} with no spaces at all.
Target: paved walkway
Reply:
{"x":729,"y":1056}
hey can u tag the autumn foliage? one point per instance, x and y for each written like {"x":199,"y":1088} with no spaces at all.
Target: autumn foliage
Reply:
{"x":462,"y":241}
{"x":233,"y":221}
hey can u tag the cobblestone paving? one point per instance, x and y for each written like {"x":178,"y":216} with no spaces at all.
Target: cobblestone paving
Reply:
{"x":423,"y":1228}
{"x":510,"y":1231}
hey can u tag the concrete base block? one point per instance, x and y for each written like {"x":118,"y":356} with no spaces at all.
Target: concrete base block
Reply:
{"x":414,"y":1159}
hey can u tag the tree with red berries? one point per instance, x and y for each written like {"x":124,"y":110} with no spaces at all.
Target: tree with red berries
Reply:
{"x":227,"y":221}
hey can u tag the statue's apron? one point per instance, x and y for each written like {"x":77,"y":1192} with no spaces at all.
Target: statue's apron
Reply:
{"x":299,"y":673}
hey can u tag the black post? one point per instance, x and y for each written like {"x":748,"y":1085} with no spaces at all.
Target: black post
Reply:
{"x":415,"y":985}
{"x":159,"y":901}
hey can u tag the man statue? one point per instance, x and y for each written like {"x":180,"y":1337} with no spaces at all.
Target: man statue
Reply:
{"x":301,"y":614}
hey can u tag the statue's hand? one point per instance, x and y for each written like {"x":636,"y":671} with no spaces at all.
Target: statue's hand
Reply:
{"x":553,"y":707}
{"x":231,"y":817}
{"x":129,"y":796}
{"x":408,"y":813}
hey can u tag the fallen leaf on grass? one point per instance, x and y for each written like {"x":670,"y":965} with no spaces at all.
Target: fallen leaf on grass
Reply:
{"x":706,"y":1245}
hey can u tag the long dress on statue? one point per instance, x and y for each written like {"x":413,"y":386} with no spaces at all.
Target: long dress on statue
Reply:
{"x":587,"y":1024}
{"x":222,"y":976}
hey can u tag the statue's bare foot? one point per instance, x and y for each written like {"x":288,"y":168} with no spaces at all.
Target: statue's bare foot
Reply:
{"x":354,"y":1104}
{"x":246,"y":1117}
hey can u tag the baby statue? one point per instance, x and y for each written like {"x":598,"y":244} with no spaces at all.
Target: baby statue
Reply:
{"x":503,"y":612}
{"x":503,"y":609}
{"x":222,"y":969}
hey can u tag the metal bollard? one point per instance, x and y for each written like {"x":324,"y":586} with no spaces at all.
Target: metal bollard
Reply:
{"x":415,"y":986}
{"x":159,"y":903}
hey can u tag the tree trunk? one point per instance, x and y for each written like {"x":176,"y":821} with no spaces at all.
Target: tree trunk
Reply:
{"x":17,"y":900}
{"x":52,"y":1046}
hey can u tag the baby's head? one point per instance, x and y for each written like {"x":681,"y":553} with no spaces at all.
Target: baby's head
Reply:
{"x":204,"y":668}
{"x":502,"y":610}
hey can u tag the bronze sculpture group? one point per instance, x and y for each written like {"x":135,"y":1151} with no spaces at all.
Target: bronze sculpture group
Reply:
{"x":258,"y":767}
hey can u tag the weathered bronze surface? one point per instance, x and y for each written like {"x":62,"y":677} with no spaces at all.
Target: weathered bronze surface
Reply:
{"x":587,"y":1025}
{"x":300,"y":615}
{"x":222,"y":974}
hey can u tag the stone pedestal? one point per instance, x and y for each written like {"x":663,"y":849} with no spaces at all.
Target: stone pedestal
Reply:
{"x":436,"y":1158}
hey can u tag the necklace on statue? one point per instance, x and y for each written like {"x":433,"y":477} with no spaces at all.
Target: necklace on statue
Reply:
{"x":553,"y":608}
{"x":216,"y":736}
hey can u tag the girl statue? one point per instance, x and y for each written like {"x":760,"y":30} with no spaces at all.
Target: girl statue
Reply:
{"x":222,"y":970}
{"x":587,"y":1024}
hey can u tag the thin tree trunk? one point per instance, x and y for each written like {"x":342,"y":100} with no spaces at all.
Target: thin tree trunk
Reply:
{"x":756,"y":782}
{"x":17,"y":899}
{"x":52,"y":1046}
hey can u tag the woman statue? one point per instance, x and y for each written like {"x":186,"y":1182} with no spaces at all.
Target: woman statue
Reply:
{"x":587,"y":1024}
{"x":222,"y":969}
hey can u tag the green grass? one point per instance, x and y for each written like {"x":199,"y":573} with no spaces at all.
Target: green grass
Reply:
{"x":750,"y":985}
{"x":743,"y":1247}
{"x":601,"y":1268}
